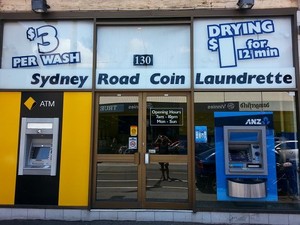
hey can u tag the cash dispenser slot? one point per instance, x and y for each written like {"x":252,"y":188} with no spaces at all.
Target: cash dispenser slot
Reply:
{"x":38,"y":146}
{"x":245,"y":161}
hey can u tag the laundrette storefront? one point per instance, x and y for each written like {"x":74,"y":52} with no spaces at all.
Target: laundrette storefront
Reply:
{"x":181,"y":112}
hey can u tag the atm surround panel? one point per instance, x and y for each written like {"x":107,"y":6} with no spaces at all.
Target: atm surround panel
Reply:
{"x":38,"y":146}
{"x":245,"y":150}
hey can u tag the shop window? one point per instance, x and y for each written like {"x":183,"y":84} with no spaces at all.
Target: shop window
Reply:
{"x":117,"y":116}
{"x":282,"y":169}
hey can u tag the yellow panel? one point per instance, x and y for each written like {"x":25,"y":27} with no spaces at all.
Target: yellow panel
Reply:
{"x":9,"y":138}
{"x":75,"y":149}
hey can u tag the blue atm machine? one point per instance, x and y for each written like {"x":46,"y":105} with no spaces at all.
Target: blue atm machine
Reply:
{"x":245,"y":157}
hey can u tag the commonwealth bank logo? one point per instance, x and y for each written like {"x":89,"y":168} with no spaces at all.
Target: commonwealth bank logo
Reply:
{"x":30,"y":103}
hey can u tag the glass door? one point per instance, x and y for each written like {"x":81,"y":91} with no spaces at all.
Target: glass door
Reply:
{"x":141,"y":160}
{"x":116,"y":168}
{"x":167,"y":149}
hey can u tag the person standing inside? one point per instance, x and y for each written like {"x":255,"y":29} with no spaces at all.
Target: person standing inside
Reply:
{"x":163,"y":142}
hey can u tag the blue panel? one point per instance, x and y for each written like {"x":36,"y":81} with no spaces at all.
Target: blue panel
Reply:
{"x":201,"y":134}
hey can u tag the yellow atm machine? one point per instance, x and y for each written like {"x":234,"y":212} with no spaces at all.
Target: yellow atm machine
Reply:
{"x":38,"y":146}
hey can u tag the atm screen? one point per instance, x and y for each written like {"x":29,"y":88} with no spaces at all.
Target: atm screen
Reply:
{"x":240,"y":155}
{"x":243,"y":136}
{"x":40,"y":152}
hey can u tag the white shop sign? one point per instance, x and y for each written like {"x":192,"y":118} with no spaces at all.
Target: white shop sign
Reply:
{"x":243,"y":53}
{"x":47,"y":55}
{"x":143,"y":57}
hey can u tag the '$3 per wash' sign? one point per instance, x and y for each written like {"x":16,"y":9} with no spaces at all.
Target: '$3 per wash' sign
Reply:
{"x":46,"y":38}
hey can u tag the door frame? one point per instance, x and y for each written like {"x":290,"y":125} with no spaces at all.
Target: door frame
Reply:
{"x":139,"y":158}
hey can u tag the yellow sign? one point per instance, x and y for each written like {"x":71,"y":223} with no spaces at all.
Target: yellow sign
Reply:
{"x":133,"y":130}
{"x":30,"y":103}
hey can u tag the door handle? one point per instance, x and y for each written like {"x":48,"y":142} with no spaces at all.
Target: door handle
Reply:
{"x":147,"y":158}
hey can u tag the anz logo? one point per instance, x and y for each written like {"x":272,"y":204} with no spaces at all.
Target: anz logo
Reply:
{"x":258,"y":121}
{"x":253,"y":122}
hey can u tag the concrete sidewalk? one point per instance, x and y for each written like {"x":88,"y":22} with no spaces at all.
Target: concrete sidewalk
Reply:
{"x":104,"y":222}
{"x":24,"y":216}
